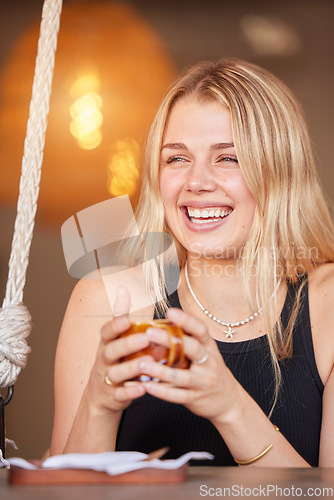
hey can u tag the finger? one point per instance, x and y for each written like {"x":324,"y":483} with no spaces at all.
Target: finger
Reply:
{"x":121,"y":322}
{"x":168,"y":393}
{"x":159,"y":336}
{"x":115,"y":328}
{"x":120,"y":373}
{"x":121,"y":347}
{"x":126,"y":393}
{"x":193,"y":349}
{"x":177,"y":377}
{"x":122,"y":302}
{"x":189,"y":324}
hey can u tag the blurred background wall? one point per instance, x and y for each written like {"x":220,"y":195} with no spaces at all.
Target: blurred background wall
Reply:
{"x":113,"y":63}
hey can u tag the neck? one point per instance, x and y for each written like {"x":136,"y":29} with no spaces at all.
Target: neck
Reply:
{"x":222,"y":273}
{"x":218,"y":285}
{"x":216,"y":292}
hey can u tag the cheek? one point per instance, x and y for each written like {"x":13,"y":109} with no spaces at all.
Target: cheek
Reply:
{"x":237,"y":188}
{"x":248,"y":203}
{"x":164,"y":191}
{"x":162,"y":181}
{"x":169,"y":186}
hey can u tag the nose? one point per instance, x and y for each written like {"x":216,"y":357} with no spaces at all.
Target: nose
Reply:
{"x":200,"y":178}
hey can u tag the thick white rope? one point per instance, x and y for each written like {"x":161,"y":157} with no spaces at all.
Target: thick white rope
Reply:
{"x":15,"y":320}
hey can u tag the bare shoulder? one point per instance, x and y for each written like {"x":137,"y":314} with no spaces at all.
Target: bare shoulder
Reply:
{"x":321,"y":297}
{"x":89,"y":296}
{"x":92,"y":300}
{"x":87,"y":311}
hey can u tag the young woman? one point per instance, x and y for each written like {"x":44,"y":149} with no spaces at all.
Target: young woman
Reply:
{"x":229,"y":173}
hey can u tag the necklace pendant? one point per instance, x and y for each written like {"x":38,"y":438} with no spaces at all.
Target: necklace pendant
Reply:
{"x":229,"y":333}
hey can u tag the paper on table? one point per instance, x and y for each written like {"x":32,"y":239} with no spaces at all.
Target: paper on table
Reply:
{"x":113,"y":463}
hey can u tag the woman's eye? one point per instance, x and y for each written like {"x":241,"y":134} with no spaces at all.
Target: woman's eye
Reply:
{"x":175,"y":159}
{"x":228,"y":160}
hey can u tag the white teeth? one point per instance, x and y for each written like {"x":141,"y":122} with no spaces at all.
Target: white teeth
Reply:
{"x":206,"y":216}
{"x":206,"y":213}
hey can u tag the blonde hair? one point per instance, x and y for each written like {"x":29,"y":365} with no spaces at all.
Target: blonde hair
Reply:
{"x":292,"y":231}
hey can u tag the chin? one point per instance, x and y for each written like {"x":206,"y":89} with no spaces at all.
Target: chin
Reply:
{"x":213,"y":251}
{"x":207,"y":251}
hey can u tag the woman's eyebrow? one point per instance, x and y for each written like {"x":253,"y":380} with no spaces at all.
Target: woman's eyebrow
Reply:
{"x":221,"y":145}
{"x":213,"y":147}
{"x":174,"y":145}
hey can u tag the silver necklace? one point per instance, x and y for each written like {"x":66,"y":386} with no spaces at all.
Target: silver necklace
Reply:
{"x":230,"y":326}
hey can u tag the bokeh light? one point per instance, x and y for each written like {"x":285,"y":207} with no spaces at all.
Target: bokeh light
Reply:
{"x":87,"y":119}
{"x":270,"y":36}
{"x":123,"y":171}
{"x":111,"y":72}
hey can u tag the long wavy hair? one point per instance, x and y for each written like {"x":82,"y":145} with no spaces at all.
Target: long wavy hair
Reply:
{"x":292,"y":231}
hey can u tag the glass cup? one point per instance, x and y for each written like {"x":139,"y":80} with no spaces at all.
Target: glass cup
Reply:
{"x":172,"y":356}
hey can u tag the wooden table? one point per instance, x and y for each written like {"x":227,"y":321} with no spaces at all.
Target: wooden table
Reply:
{"x":202,"y":482}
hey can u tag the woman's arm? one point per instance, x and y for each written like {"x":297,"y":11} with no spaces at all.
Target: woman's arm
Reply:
{"x":326,"y":458}
{"x":321,"y":285}
{"x":210,"y":391}
{"x":87,"y":410}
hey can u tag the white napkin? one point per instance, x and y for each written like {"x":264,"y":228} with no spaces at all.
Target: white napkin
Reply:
{"x":113,"y":463}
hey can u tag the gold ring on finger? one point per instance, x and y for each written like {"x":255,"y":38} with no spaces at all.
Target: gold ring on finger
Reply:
{"x":108,"y":381}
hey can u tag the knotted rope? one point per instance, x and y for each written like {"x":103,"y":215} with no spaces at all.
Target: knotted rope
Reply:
{"x":15,"y":320}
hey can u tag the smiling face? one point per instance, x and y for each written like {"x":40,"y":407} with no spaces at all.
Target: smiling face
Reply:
{"x":208,"y":206}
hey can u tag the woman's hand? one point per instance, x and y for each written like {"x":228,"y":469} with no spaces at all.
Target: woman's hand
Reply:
{"x":87,"y":409}
{"x":109,"y":373}
{"x":207,"y":388}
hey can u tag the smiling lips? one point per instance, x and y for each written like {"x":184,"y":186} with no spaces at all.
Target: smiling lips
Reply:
{"x":207,"y":215}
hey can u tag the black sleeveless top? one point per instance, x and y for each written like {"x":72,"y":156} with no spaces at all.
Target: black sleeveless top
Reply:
{"x":149,"y":423}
